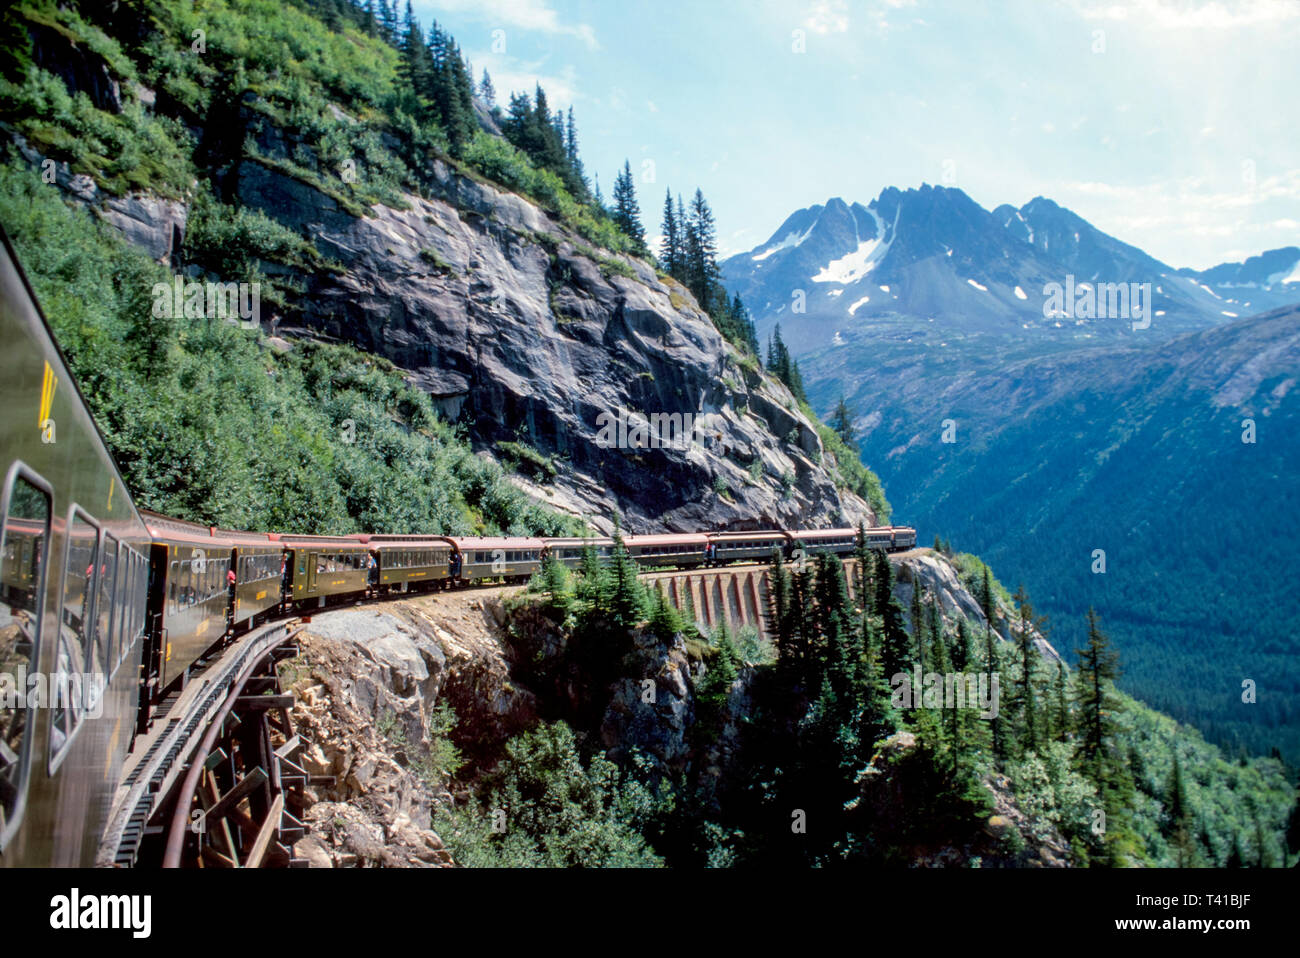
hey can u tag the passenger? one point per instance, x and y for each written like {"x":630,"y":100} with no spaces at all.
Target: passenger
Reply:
{"x":373,"y":569}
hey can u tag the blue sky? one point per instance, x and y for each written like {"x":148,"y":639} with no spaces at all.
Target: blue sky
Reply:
{"x":1171,"y":125}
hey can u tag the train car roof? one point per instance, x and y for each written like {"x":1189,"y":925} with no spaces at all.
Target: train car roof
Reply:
{"x":733,"y":536}
{"x":808,"y":533}
{"x":166,"y":529}
{"x":392,"y":540}
{"x":668,"y":539}
{"x":296,"y":540}
{"x":494,"y":542}
{"x":580,"y":541}
{"x":242,"y":537}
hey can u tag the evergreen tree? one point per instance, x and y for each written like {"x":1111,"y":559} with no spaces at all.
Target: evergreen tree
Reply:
{"x":388,"y":20}
{"x":1060,"y":730}
{"x":962,"y":655}
{"x":577,"y":178}
{"x":1098,"y":667}
{"x":665,"y":620}
{"x":1293,"y":827}
{"x":842,"y":422}
{"x":627,"y":603}
{"x":895,"y":647}
{"x":702,"y":275}
{"x":627,"y":212}
{"x":670,"y":240}
{"x":918,"y":625}
{"x":781,"y":625}
{"x":866,"y":563}
{"x":1026,"y":700}
{"x":992,"y":663}
{"x":487,"y":91}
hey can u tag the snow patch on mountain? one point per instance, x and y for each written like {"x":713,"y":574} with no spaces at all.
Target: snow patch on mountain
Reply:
{"x":850,"y":268}
{"x":790,"y":240}
{"x":854,"y":308}
{"x":1284,"y":277}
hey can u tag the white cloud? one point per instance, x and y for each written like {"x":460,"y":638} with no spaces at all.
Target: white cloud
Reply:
{"x":1178,"y":14}
{"x":510,"y":75}
{"x":828,"y":16}
{"x":1150,"y":214}
{"x":533,"y":15}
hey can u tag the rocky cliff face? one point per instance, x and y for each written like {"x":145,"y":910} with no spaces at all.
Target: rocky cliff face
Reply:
{"x":518,"y":328}
{"x":368,"y":684}
{"x":940,"y":578}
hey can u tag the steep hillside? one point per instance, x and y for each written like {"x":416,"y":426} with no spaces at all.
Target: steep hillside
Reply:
{"x":1139,"y":453}
{"x":368,"y":218}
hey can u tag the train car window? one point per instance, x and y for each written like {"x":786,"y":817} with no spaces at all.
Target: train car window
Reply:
{"x":173,"y":585}
{"x":126,"y":634}
{"x":24,"y":542}
{"x":75,"y":623}
{"x":100,"y":651}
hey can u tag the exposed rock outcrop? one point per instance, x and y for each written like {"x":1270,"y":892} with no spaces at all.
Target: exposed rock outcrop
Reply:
{"x":367,"y":683}
{"x":937,"y":575}
{"x":516,"y":326}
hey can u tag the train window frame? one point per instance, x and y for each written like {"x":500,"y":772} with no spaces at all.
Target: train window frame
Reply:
{"x":20,"y":470}
{"x":105,"y":648}
{"x":122,"y":619}
{"x":56,"y":756}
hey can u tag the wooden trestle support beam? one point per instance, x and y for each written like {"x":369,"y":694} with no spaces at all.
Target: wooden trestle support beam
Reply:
{"x":247,"y":809}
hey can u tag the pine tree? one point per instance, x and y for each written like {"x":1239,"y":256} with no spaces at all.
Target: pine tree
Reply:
{"x":487,"y":91}
{"x":450,"y":88}
{"x":918,"y":625}
{"x":627,"y":603}
{"x":1098,"y":667}
{"x":576,"y":179}
{"x":839,"y":640}
{"x":742,"y":332}
{"x":388,"y":21}
{"x":961,"y":650}
{"x":866,"y":563}
{"x":842,"y":422}
{"x":1293,"y":827}
{"x":670,"y":240}
{"x":992,"y":663}
{"x":627,"y":212}
{"x":701,"y":251}
{"x":683,"y":225}
{"x":895,"y":648}
{"x":665,"y":620}
{"x":1025,"y":698}
{"x":780,"y":624}
{"x":1060,"y":730}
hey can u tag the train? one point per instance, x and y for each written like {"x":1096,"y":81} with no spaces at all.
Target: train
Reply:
{"x":106,"y":609}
